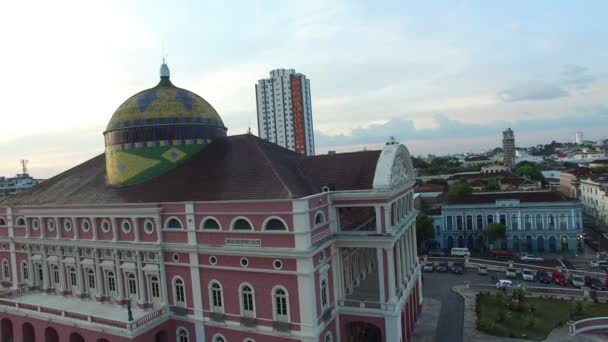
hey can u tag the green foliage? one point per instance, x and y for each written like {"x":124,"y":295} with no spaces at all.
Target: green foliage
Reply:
{"x":424,"y":228}
{"x":490,"y":327}
{"x":457,"y":191}
{"x":440,"y":165}
{"x":439,"y":181}
{"x":495,"y":231}
{"x":490,"y":184}
{"x":529,"y":170}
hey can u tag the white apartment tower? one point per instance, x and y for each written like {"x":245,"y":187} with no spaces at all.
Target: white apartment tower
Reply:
{"x":285,"y":110}
{"x":508,"y":147}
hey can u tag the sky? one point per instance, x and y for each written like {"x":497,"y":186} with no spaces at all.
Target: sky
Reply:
{"x":440,"y":76}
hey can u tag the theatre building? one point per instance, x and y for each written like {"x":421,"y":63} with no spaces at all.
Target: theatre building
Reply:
{"x":178,"y":232}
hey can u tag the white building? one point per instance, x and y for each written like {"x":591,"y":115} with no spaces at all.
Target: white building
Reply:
{"x":285,"y":111}
{"x":594,"y":195}
{"x":578,"y":138}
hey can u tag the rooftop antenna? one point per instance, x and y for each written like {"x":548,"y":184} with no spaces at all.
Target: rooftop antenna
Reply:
{"x":249,"y":127}
{"x":24,"y":166}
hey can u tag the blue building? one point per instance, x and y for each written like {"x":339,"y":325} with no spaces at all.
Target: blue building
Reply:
{"x":539,"y":222}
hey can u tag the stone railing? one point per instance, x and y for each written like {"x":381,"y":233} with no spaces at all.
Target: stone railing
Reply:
{"x":534,"y":290}
{"x":589,"y":324}
{"x":349,"y":303}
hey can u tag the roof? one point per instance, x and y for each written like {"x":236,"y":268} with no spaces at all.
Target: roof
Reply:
{"x":476,"y":158}
{"x":241,"y":167}
{"x":492,"y":197}
{"x":429,"y":188}
{"x":580,"y":171}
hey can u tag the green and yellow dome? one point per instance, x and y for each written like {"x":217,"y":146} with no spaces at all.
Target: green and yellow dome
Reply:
{"x":157,"y":129}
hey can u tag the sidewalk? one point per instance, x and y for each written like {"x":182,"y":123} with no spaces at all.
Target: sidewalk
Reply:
{"x":470,"y":332}
{"x":426,"y":327}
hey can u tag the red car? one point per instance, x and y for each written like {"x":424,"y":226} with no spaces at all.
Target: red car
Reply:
{"x":501,"y":253}
{"x":559,"y":278}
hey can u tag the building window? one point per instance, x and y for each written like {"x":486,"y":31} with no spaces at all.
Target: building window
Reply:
{"x":241,"y":224}
{"x":328,"y":337}
{"x":67,"y":225}
{"x":173,"y":223}
{"x":73,"y":279}
{"x":577,"y":220}
{"x":154,"y":287}
{"x":514,"y":219}
{"x":469,"y":222}
{"x":180,"y":292}
{"x":111,"y":282}
{"x":132,"y":284}
{"x":148,"y":227}
{"x":459,"y":222}
{"x":551,"y":218}
{"x":91,"y":279}
{"x":216,"y":297}
{"x":182,"y":335}
{"x":20,"y":222}
{"x":219,"y":338}
{"x":319,"y":219}
{"x":324,"y":297}
{"x":244,"y":262}
{"x":563,"y":221}
{"x":35,"y":224}
{"x":449,"y":222}
{"x":247,"y":302}
{"x":56,"y":274}
{"x":274,"y":224}
{"x":85,"y":226}
{"x":105,"y":226}
{"x":25,"y":271}
{"x":528,"y":222}
{"x":503,"y":220}
{"x":490,"y":219}
{"x":126,"y":227}
{"x":479,"y":222}
{"x":211,"y":224}
{"x":5,"y":271}
{"x":539,"y":221}
{"x":280,"y":299}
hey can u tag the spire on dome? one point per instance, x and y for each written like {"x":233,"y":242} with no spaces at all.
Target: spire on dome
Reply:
{"x":164,"y":69}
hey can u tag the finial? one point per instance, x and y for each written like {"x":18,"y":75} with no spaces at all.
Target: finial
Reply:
{"x":164,"y":69}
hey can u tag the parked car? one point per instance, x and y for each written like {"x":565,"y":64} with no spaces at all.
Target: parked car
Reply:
{"x":597,"y":284}
{"x":436,"y":253}
{"x":559,"y":278}
{"x":544,"y":277}
{"x":528,"y":275}
{"x":506,"y":284}
{"x":457,"y":251}
{"x":501,"y":253}
{"x":578,"y":280}
{"x":603,"y":264}
{"x":531,"y":258}
{"x":458,"y":268}
{"x":428,"y":267}
{"x":482,"y":270}
{"x":511,"y":273}
{"x":442,"y":267}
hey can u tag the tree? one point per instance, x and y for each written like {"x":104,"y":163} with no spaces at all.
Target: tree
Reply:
{"x":495,"y":232}
{"x":424,"y":228}
{"x":530,"y":171}
{"x":457,"y":191}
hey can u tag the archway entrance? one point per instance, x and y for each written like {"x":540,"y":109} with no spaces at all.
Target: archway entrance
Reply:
{"x":564,"y":241}
{"x":50,"y":335}
{"x":364,"y":332}
{"x":76,"y":337}
{"x":480,"y":243}
{"x":28,"y":332}
{"x":460,"y":241}
{"x":552,"y":244}
{"x":450,"y":242}
{"x":6,"y":327}
{"x":528,"y":244}
{"x":470,"y":242}
{"x":161,"y":336}
{"x":515,"y":243}
{"x":540,"y":244}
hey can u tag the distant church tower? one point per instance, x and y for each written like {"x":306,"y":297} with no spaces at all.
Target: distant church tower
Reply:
{"x":508,"y":147}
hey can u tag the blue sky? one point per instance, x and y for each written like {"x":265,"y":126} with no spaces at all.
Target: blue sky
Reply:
{"x":441,"y":76}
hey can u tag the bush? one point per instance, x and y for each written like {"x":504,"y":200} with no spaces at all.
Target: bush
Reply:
{"x":490,"y":327}
{"x":531,"y":323}
{"x":532,"y":307}
{"x":579,"y":308}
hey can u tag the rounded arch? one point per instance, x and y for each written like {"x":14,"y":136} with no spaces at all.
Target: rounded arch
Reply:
{"x":102,"y":340}
{"x":515,"y":243}
{"x":28,"y":333}
{"x":319,"y":218}
{"x":280,"y":301}
{"x":2,"y":221}
{"x":470,"y":242}
{"x":218,"y":338}
{"x":460,"y":241}
{"x":564,"y":243}
{"x":247,"y":298}
{"x":450,"y":242}
{"x":179,"y":290}
{"x":216,"y":296}
{"x":248,"y":339}
{"x":182,"y":334}
{"x":161,"y":336}
{"x":20,"y":222}
{"x":51,"y":335}
{"x":529,"y":246}
{"x":6,"y":327}
{"x":241,"y":223}
{"x":274,"y":223}
{"x":540,"y":243}
{"x":552,"y":244}
{"x":210,"y":223}
{"x":76,"y":337}
{"x":329,"y":337}
{"x":173,"y":222}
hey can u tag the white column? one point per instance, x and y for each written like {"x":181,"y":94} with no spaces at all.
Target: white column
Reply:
{"x":159,"y":229}
{"x":61,"y":271}
{"x":399,"y":264}
{"x":14,"y":273}
{"x":98,"y":275}
{"x":141,"y":290}
{"x":79,"y":273}
{"x":390,"y":260}
{"x":59,"y":228}
{"x":114,"y":230}
{"x":93,"y":225}
{"x":307,"y":297}
{"x":414,"y":246}
{"x":408,"y":250}
{"x":380,"y":273}
{"x":42,"y":227}
{"x":392,"y":328}
{"x":378,"y":212}
{"x":45,"y":271}
{"x":76,"y":228}
{"x":135,"y":224}
{"x":405,"y":259}
{"x":118,"y":275}
{"x":30,"y":267}
{"x":163,"y":281}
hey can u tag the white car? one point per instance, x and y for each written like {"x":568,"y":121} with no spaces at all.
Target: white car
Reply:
{"x":506,"y":284}
{"x":599,"y":264}
{"x":482,"y":270}
{"x":528,"y":275}
{"x":531,"y":258}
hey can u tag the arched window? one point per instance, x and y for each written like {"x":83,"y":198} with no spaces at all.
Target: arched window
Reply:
{"x":179,"y":292}
{"x":241,"y":224}
{"x":319,"y":218}
{"x":20,"y":222}
{"x":281,"y":305}
{"x":155,"y":287}
{"x":275,"y":224}
{"x":132,"y":284}
{"x":111,"y":282}
{"x":56,"y":274}
{"x":5,"y":271}
{"x":73,"y":279}
{"x":126,"y":226}
{"x":324,"y":298}
{"x":328,"y":337}
{"x":247,"y":301}
{"x":563,"y":221}
{"x":173,"y":223}
{"x":25,"y":272}
{"x":211,"y":223}
{"x":219,"y":338}
{"x":91,"y":278}
{"x":2,"y":222}
{"x":479,"y":222}
{"x":182,"y":335}
{"x":215,"y":292}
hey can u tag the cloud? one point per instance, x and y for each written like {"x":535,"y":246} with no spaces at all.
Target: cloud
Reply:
{"x":576,"y":77}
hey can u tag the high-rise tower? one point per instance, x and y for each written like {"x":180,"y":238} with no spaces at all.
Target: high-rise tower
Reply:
{"x":285,"y":110}
{"x":508,"y":147}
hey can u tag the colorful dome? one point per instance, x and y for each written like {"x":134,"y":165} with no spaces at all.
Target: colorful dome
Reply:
{"x":157,"y":129}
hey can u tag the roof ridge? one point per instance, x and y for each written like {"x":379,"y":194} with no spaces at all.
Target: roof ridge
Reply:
{"x":257,"y":145}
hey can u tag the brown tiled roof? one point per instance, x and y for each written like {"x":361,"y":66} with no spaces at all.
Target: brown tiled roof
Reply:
{"x":241,"y":167}
{"x":531,"y":196}
{"x":580,"y":171}
{"x":429,"y":188}
{"x":481,"y":175}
